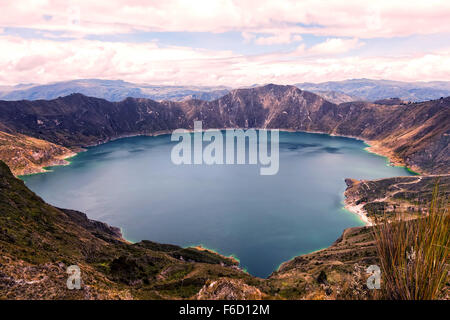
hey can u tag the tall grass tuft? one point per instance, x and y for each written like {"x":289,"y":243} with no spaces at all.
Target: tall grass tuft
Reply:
{"x":414,"y":254}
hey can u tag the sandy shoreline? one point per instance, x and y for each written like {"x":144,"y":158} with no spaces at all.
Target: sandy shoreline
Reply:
{"x":359,"y":211}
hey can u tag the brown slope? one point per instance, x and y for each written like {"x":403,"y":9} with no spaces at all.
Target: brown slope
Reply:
{"x":25,"y":155}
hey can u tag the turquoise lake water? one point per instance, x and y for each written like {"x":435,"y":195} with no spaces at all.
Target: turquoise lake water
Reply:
{"x":262,"y":220}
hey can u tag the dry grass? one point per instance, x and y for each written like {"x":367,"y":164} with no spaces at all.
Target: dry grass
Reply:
{"x":414,"y":254}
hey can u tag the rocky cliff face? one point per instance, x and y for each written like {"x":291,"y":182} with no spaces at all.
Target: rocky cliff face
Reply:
{"x":417,"y":134}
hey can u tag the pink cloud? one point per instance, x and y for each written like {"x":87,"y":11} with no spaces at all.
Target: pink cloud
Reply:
{"x":27,"y":63}
{"x":41,"y":61}
{"x":335,"y":46}
{"x":338,"y":18}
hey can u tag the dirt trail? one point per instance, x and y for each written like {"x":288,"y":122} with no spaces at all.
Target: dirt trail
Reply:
{"x":397,"y":186}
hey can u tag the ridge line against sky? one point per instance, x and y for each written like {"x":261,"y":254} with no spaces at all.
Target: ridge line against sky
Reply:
{"x":232,"y":43}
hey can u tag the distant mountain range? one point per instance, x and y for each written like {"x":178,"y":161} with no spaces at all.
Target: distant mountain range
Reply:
{"x":112,"y":90}
{"x":371,"y":90}
{"x":335,"y":96}
{"x":333,"y":91}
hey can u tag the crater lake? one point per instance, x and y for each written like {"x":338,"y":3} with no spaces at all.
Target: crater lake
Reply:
{"x":262,"y":220}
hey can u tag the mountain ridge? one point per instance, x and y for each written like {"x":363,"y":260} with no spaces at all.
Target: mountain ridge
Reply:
{"x":334,"y":91}
{"x":372,"y":90}
{"x":416,"y":135}
{"x":113,"y":90}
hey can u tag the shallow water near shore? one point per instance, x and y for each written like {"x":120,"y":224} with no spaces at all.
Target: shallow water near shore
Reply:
{"x":262,"y":220}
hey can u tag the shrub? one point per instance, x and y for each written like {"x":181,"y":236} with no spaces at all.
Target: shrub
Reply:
{"x":414,"y":253}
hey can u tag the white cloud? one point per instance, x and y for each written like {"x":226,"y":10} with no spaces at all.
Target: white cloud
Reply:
{"x":335,"y":46}
{"x":338,"y":18}
{"x":261,"y":22}
{"x":41,"y":61}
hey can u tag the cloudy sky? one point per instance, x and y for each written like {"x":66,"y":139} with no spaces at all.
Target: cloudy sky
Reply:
{"x":213,"y":42}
